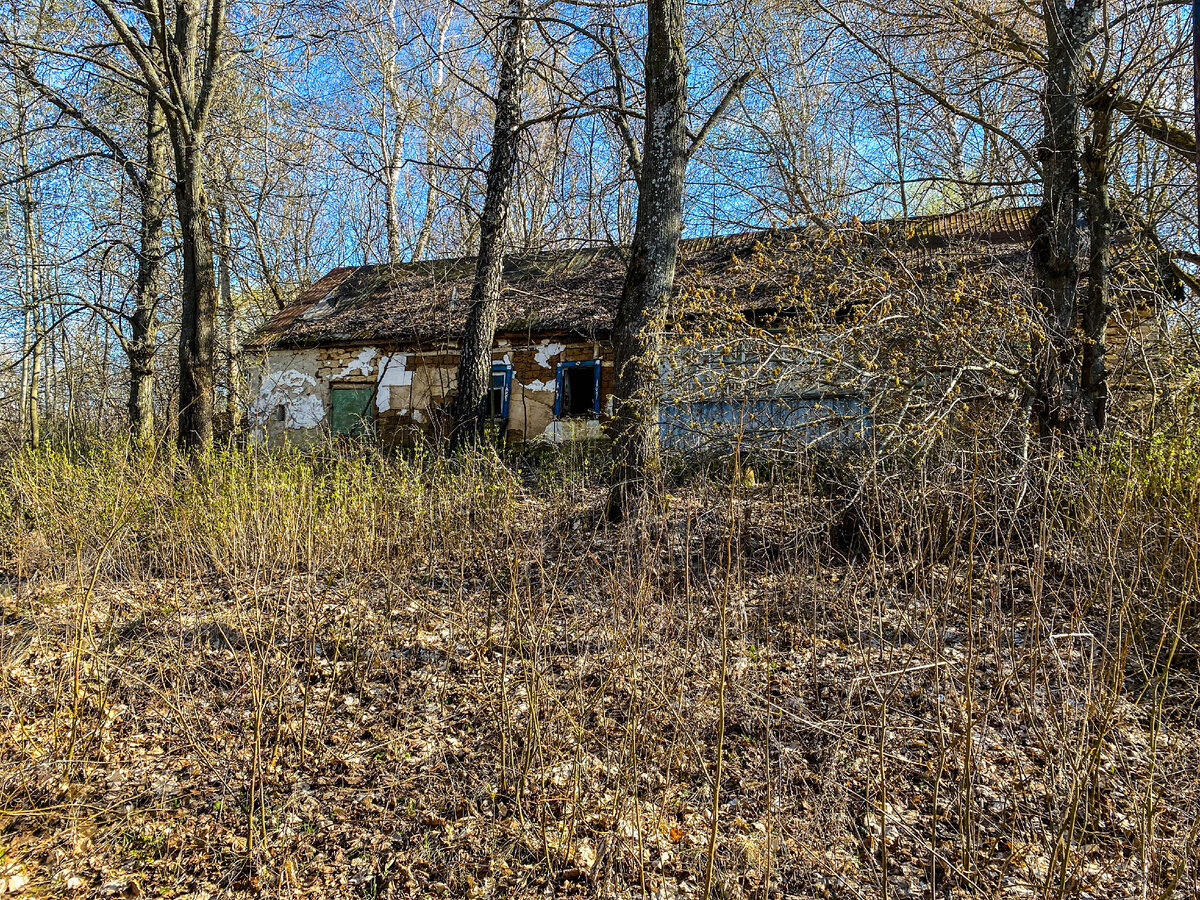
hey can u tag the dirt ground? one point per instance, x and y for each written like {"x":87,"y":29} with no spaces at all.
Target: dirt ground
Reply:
{"x":566,"y":719}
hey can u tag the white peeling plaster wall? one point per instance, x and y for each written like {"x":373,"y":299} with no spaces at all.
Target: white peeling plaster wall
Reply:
{"x":403,"y":383}
{"x":293,"y":380}
{"x":289,"y":383}
{"x":361,"y":364}
{"x":393,"y":373}
{"x":532,"y":406}
{"x":546,"y":351}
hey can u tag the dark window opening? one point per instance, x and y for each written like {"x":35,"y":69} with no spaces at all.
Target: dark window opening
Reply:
{"x":578,"y":389}
{"x":496,"y":397}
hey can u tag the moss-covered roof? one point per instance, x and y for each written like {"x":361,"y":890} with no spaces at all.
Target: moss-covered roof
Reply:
{"x":576,"y":291}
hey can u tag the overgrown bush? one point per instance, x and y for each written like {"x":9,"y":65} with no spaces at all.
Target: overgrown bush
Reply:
{"x":358,"y":675}
{"x":235,"y":511}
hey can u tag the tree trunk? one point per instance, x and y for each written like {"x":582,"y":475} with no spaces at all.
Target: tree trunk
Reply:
{"x":35,"y":369}
{"x":651,"y":274}
{"x":143,"y":337}
{"x":1056,"y":238}
{"x":197,"y":326}
{"x":392,"y":207}
{"x":425,"y":233}
{"x":233,"y":370}
{"x":33,"y":279}
{"x":475,"y":358}
{"x":180,"y":63}
{"x":26,"y":342}
{"x":898,"y":145}
{"x":1094,"y":380}
{"x":433,"y":125}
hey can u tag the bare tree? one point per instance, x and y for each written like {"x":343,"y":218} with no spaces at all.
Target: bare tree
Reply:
{"x":1056,"y":240}
{"x":475,"y":355}
{"x":148,"y":177}
{"x":370,"y":51}
{"x":32,"y":341}
{"x":650,"y":276}
{"x":966,"y":64}
{"x":142,"y":344}
{"x":179,"y":62}
{"x":1097,"y":302}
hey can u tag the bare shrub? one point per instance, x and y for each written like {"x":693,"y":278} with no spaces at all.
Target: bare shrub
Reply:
{"x":395,"y":677}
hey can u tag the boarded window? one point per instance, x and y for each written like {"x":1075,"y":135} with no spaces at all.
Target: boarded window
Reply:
{"x":350,"y":410}
{"x":578,"y":389}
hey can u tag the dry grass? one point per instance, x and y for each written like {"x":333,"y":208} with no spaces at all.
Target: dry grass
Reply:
{"x":344,"y":676}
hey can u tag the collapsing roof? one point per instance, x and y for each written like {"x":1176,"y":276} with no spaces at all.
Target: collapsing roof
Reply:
{"x":576,"y":291}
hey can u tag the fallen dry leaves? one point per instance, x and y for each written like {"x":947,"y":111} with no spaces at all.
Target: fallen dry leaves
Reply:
{"x":545,"y":724}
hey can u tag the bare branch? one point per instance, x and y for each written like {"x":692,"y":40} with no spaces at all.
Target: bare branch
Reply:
{"x":730,"y":96}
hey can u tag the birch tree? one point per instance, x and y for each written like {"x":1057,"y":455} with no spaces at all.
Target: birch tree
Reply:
{"x":32,"y":340}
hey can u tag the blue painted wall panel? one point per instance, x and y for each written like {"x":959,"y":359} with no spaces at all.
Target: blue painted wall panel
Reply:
{"x":782,"y":422}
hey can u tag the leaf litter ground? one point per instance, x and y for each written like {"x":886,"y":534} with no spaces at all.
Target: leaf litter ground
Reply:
{"x":545,"y":721}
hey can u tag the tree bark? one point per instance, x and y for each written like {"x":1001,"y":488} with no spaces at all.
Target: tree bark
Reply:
{"x":26,"y":335}
{"x":233,"y":370}
{"x":143,"y":338}
{"x":392,"y":207}
{"x":475,"y":357}
{"x":1054,"y":341}
{"x":180,"y":63}
{"x":425,"y":233}
{"x":35,"y":368}
{"x":32,"y":342}
{"x":1097,"y":303}
{"x":650,"y":277}
{"x":197,"y":326}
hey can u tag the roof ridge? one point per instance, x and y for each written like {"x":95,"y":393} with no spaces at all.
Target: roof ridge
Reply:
{"x":1001,"y":213}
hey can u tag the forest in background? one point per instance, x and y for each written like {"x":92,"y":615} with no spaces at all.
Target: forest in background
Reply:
{"x":327,"y":134}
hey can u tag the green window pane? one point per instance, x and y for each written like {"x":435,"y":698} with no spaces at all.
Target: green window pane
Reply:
{"x":350,"y":410}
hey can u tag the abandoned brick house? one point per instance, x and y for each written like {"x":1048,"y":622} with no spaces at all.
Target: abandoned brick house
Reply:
{"x":372,"y":350}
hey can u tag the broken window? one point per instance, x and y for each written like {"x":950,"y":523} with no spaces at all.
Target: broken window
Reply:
{"x":350,"y":409}
{"x":499,"y":393}
{"x":578,"y":389}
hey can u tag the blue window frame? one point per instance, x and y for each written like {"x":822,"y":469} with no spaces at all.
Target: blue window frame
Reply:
{"x":577,"y":389}
{"x":501,"y":390}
